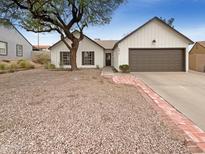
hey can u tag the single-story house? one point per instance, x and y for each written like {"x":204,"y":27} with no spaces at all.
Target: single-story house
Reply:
{"x":197,"y":57}
{"x":13,"y":45}
{"x":41,"y":48}
{"x":153,"y":47}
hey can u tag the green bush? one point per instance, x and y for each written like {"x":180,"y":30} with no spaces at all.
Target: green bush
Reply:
{"x":2,"y":66}
{"x":49,"y":66}
{"x":124,"y":68}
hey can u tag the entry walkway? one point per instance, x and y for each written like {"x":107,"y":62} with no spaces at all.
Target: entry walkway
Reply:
{"x":108,"y":72}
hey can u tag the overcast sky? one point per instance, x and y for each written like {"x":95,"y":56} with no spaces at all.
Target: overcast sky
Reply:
{"x":189,"y":19}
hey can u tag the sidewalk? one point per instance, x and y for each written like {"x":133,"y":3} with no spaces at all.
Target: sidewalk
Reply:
{"x":108,"y":72}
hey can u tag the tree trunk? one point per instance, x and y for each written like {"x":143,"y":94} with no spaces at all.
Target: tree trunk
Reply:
{"x":73,"y":52}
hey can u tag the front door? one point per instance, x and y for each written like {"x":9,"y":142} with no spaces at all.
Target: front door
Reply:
{"x":108,"y":59}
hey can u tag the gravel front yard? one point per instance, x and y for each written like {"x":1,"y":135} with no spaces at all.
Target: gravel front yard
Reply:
{"x":78,"y":112}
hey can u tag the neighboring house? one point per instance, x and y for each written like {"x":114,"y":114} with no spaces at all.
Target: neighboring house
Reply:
{"x":13,"y":45}
{"x":197,"y":57}
{"x":155,"y":47}
{"x":41,"y":48}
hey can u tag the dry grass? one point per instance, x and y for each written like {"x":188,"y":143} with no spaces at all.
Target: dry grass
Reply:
{"x":41,"y":57}
{"x":8,"y":66}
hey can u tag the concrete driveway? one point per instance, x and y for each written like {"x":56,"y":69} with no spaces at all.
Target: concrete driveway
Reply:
{"x":185,"y":91}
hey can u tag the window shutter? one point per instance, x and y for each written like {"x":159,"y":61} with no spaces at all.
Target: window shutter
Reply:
{"x":83,"y":58}
{"x":93,"y":58}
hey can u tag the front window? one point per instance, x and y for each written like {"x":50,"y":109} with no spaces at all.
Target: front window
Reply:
{"x":64,"y":58}
{"x":19,"y":50}
{"x":88,"y":58}
{"x":3,"y":48}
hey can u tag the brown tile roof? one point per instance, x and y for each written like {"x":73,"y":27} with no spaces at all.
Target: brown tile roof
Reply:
{"x":202,"y":43}
{"x":107,"y":44}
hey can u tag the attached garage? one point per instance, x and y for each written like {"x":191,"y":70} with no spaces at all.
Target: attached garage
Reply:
{"x":153,"y":47}
{"x":157,"y":60}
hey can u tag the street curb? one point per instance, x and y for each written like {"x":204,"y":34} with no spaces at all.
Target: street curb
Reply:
{"x":194,"y":136}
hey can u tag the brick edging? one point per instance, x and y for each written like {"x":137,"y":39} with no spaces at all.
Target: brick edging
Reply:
{"x":194,"y":135}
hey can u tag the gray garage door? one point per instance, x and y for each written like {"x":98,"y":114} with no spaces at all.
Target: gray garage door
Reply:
{"x":157,"y":60}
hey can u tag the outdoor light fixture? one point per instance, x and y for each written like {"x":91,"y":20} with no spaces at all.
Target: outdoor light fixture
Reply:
{"x":154,"y":42}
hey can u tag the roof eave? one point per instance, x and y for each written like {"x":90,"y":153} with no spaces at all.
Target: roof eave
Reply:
{"x":17,"y":31}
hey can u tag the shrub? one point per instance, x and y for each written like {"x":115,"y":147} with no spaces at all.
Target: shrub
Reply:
{"x":124,"y":68}
{"x":97,"y":67}
{"x":2,"y":66}
{"x":21,"y":61}
{"x":49,"y":66}
{"x":13,"y":67}
{"x":29,"y":65}
{"x":25,"y":64}
{"x":41,"y":58}
{"x":6,"y":60}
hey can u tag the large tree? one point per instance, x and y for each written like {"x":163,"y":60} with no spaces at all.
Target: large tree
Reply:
{"x":62,"y":16}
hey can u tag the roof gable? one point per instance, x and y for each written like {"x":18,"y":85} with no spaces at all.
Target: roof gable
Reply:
{"x":60,"y":41}
{"x":198,"y":48}
{"x":7,"y":24}
{"x":202,"y":43}
{"x":153,"y":19}
{"x":107,"y":44}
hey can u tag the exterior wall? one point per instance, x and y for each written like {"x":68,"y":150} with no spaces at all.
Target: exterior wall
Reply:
{"x":13,"y":37}
{"x":165,"y":38}
{"x":112,"y":57}
{"x":115,"y":56}
{"x":197,"y":62}
{"x":192,"y":62}
{"x":85,"y":45}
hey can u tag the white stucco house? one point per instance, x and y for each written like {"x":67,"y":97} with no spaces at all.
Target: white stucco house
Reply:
{"x":13,"y":45}
{"x":153,"y":47}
